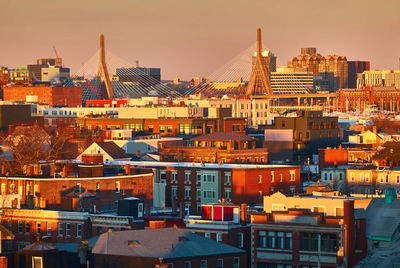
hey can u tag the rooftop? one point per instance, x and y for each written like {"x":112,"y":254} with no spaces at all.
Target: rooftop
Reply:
{"x":168,"y":243}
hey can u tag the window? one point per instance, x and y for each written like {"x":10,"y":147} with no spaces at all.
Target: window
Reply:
{"x":48,"y":228}
{"x":35,"y":189}
{"x":352,"y":176}
{"x":397,"y":179}
{"x":174,"y":192}
{"x":99,"y":230}
{"x":260,"y":194}
{"x":262,"y":239}
{"x":328,"y":242}
{"x":38,"y":227}
{"x":19,"y":226}
{"x":117,"y":186}
{"x":163,"y":176}
{"x":97,"y":186}
{"x":272,"y":176}
{"x":3,"y":188}
{"x":309,"y":241}
{"x":288,"y":240}
{"x":259,"y":178}
{"x":174,"y":177}
{"x":271,"y":240}
{"x":228,"y":179}
{"x":9,"y":225}
{"x":68,"y":229}
{"x":292,"y":175}
{"x":227,"y":194}
{"x":207,"y":235}
{"x":220,"y":263}
{"x":188,"y":264}
{"x":292,"y":189}
{"x":27,"y":227}
{"x":198,"y":178}
{"x":280,"y":242}
{"x":219,"y":237}
{"x":78,"y":188}
{"x":240,"y":240}
{"x":37,"y":262}
{"x":198,"y":194}
{"x":236,"y":262}
{"x":79,"y":230}
{"x":60,"y":229}
{"x":187,"y":178}
{"x":281,"y":177}
{"x":339,"y":212}
{"x":318,"y":209}
{"x":187,"y":193}
{"x":203,"y":264}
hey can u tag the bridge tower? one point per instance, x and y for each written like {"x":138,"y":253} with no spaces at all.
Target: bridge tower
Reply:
{"x":102,"y":71}
{"x":259,"y":83}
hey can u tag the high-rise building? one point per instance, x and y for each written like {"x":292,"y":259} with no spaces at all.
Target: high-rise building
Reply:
{"x":354,"y":68}
{"x":384,"y":78}
{"x":291,"y":80}
{"x":317,"y":63}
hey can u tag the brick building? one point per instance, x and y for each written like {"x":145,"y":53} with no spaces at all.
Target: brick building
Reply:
{"x":311,"y":131}
{"x":332,"y":157}
{"x":331,"y":233}
{"x":384,"y":98}
{"x":53,"y":96}
{"x":196,"y":184}
{"x":165,"y":126}
{"x":225,"y":147}
{"x":49,"y":192}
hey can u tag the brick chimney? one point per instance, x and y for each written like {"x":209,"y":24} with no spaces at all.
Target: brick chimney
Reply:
{"x":127,"y":168}
{"x":243,"y":213}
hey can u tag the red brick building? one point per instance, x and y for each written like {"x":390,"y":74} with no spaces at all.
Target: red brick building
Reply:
{"x":300,"y":238}
{"x":49,"y":192}
{"x":166,"y":126}
{"x":332,"y":157}
{"x":217,"y":147}
{"x":53,"y":96}
{"x":196,"y":184}
{"x":386,"y":98}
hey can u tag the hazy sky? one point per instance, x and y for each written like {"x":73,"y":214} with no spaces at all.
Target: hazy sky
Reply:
{"x":189,"y":38}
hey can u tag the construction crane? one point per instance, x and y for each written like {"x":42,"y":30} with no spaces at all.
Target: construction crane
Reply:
{"x":58,"y":59}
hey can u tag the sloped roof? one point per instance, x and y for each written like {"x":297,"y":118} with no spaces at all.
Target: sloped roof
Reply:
{"x":113,"y":149}
{"x":223,"y":136}
{"x":383,"y":219}
{"x":167,"y":243}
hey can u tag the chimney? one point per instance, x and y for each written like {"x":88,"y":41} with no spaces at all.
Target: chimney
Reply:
{"x":3,"y":170}
{"x":3,"y":262}
{"x":374,"y":130}
{"x":127,"y":169}
{"x":348,"y":226}
{"x":157,"y":224}
{"x":52,"y":169}
{"x":65,"y":172}
{"x":138,"y":153}
{"x":243,"y":213}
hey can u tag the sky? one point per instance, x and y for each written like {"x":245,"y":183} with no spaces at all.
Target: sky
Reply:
{"x":187,"y":38}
